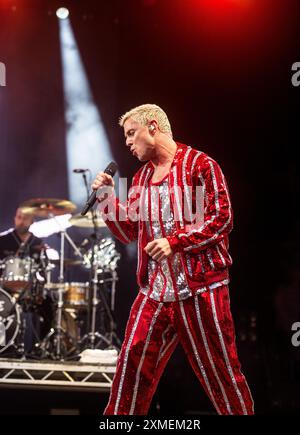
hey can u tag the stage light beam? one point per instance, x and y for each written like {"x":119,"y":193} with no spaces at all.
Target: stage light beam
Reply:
{"x":62,"y":13}
{"x":86,"y":138}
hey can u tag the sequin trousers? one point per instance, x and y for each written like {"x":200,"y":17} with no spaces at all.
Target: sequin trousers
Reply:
{"x":203,"y":325}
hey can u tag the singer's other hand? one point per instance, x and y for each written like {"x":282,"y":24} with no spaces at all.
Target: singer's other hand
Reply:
{"x":159,"y":249}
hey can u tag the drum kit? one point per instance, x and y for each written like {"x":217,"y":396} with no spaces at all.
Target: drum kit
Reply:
{"x":82,"y":312}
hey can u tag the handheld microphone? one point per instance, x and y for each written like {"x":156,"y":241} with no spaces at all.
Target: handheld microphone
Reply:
{"x":111,"y":169}
{"x":80,"y":171}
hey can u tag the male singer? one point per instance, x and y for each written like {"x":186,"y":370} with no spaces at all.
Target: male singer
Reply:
{"x":182,"y":268}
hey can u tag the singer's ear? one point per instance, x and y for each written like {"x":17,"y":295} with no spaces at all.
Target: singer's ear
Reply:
{"x":152,"y":126}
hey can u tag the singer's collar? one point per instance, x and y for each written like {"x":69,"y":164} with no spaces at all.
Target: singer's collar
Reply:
{"x":181,"y":147}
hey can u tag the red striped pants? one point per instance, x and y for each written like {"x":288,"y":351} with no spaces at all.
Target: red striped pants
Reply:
{"x":203,"y":325}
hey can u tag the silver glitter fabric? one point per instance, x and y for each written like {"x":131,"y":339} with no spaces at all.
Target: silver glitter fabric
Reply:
{"x":167,"y":278}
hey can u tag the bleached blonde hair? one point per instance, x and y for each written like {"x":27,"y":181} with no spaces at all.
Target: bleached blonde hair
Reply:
{"x":145,"y":113}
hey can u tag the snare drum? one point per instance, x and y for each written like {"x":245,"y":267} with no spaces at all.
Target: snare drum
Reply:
{"x":17,"y":273}
{"x":76,"y":295}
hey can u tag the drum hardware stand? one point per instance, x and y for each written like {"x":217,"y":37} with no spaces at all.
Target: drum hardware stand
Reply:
{"x":110,"y":310}
{"x":58,"y":333}
{"x":90,"y":337}
{"x":97,"y":285}
{"x":93,"y":301}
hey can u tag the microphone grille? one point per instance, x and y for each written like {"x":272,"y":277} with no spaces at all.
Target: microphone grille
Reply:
{"x":111,"y":169}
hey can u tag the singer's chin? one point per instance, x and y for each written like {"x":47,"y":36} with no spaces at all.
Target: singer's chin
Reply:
{"x":142,"y":158}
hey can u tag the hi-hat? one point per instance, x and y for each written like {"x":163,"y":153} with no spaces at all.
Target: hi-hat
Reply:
{"x":45,"y":207}
{"x":87,"y":220}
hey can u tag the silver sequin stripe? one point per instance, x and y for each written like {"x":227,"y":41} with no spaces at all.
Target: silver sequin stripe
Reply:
{"x":126,"y":355}
{"x":184,"y":280}
{"x":229,"y":368}
{"x":224,"y":246}
{"x":195,"y":158}
{"x":204,"y":196}
{"x":199,"y":362}
{"x":221,"y":256}
{"x":137,"y":377}
{"x":189,"y":266}
{"x":141,"y":223}
{"x":155,"y":229}
{"x":185,"y":186}
{"x":146,"y":211}
{"x":163,"y":337}
{"x":209,"y":257}
{"x":217,"y":205}
{"x":177,"y":197}
{"x":152,"y":274}
{"x":167,"y":347}
{"x":212,"y":286}
{"x":209,"y":354}
{"x":188,"y":248}
{"x":198,"y":154}
{"x":143,"y":211}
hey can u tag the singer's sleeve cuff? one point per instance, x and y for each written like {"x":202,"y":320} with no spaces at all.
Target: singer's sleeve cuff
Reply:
{"x":107,"y":205}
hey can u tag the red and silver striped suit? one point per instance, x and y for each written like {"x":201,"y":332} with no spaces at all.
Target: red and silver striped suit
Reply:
{"x":185,"y":297}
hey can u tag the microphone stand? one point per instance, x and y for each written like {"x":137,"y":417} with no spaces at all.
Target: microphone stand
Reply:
{"x":86,"y":185}
{"x":92,"y":299}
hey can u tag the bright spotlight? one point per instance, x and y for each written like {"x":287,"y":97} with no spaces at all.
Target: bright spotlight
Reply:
{"x":62,"y":13}
{"x":86,"y":138}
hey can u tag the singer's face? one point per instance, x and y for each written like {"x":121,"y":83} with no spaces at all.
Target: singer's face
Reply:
{"x":139,"y":140}
{"x":22,"y":221}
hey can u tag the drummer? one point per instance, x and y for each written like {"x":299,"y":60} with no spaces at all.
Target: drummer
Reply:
{"x":19,"y":241}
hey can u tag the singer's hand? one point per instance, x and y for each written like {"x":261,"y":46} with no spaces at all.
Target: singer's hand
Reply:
{"x":103,"y":179}
{"x":159,"y":249}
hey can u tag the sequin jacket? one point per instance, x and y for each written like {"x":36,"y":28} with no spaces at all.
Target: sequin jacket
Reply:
{"x":203,"y":248}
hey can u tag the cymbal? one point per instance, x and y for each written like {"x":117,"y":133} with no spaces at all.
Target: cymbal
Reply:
{"x":68,"y":262}
{"x":87,"y":221}
{"x":45,"y":207}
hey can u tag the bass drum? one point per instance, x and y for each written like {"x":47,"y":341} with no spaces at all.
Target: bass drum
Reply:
{"x":9,"y":320}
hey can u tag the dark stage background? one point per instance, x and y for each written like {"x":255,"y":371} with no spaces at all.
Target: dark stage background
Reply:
{"x":221,"y":69}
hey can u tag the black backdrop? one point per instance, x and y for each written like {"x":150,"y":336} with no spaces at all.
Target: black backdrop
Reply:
{"x":222,"y":72}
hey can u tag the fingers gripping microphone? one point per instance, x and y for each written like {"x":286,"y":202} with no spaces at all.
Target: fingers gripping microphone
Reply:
{"x":111,"y":169}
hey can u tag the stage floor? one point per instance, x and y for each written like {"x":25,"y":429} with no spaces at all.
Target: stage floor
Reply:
{"x":48,"y":374}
